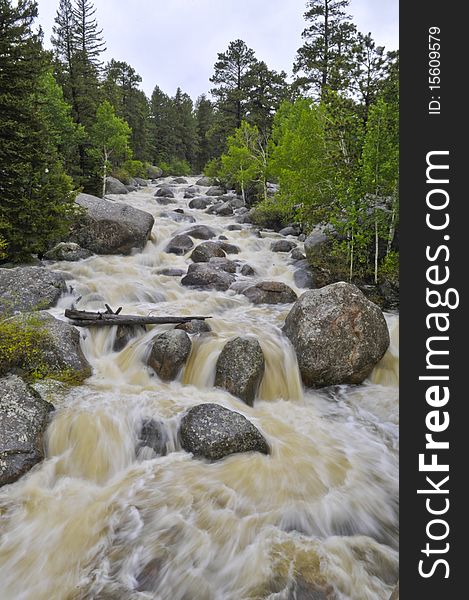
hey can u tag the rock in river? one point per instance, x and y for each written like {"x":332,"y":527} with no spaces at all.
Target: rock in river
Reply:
{"x":282,"y":246}
{"x":206,"y":275}
{"x":24,"y":417}
{"x":114,"y":186}
{"x":67,"y":251}
{"x":270,"y":292}
{"x":201,"y":232}
{"x":169,"y":352}
{"x":180,"y":245}
{"x":338,"y":335}
{"x":29,"y":288}
{"x":213,"y":432}
{"x":205,"y":251}
{"x":111,"y":227}
{"x":240,"y":368}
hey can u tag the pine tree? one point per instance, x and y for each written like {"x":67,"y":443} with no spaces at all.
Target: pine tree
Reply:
{"x":267,"y":90}
{"x":184,"y":127}
{"x":87,"y":38}
{"x":161,"y":132}
{"x":370,"y":65}
{"x":37,"y":199}
{"x":232,"y":87}
{"x":325,"y":58}
{"x":204,"y":116}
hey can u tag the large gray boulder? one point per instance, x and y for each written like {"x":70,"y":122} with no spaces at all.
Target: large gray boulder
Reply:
{"x":200,"y":203}
{"x":24,"y":417}
{"x":224,"y":210}
{"x":282,"y":246}
{"x":169,"y":352}
{"x":164,"y":192}
{"x":67,"y":251}
{"x":55,"y":350}
{"x":114,"y":186}
{"x":111,"y":227}
{"x":215,"y":191}
{"x":154,"y":172}
{"x":303,"y":278}
{"x":204,"y":181}
{"x":213,"y":432}
{"x":317,"y":237}
{"x":230,"y":266}
{"x":270,"y":292}
{"x":141,"y":182}
{"x":180,"y":245}
{"x":201,"y":232}
{"x":207,"y":276}
{"x":180,"y":180}
{"x":29,"y":288}
{"x":205,"y":251}
{"x":228,"y":248}
{"x":338,"y":335}
{"x":240,"y":368}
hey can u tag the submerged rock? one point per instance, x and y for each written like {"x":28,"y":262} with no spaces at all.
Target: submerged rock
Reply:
{"x":114,"y":186}
{"x":240,"y":368}
{"x":125,"y":334}
{"x":180,"y":245}
{"x":67,"y":251}
{"x":111,"y":227}
{"x":164,"y":192}
{"x":171,"y":272}
{"x":24,"y":417}
{"x":213,"y":432}
{"x":205,"y":251}
{"x":179,"y":180}
{"x":201,"y":232}
{"x":169,"y":352}
{"x":195,"y":326}
{"x":228,"y":248}
{"x":200,"y":203}
{"x":29,"y":288}
{"x":177,"y":217}
{"x":338,"y":335}
{"x":247,"y":270}
{"x":270,"y":292}
{"x":224,"y":264}
{"x":206,"y":275}
{"x":153,"y":436}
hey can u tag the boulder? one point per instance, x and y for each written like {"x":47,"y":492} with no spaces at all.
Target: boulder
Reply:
{"x":204,"y":181}
{"x":234,"y":227}
{"x":282,"y":246}
{"x":270,"y":292}
{"x":177,"y":217}
{"x":224,"y":210}
{"x":164,"y":192}
{"x":200,"y":203}
{"x":222,"y":237}
{"x":211,"y":431}
{"x":228,"y":248}
{"x":165,"y":200}
{"x":56,"y":350}
{"x":316,"y":238}
{"x":180,"y":245}
{"x":201,"y":232}
{"x":235,"y":202}
{"x":214,"y":190}
{"x":303,"y":279}
{"x":171,"y":272}
{"x":179,"y":180}
{"x":152,"y":436}
{"x":154,"y":172}
{"x":114,"y":186}
{"x":125,"y":334}
{"x":195,"y":326}
{"x":240,"y":368}
{"x":338,"y":335}
{"x":29,"y":288}
{"x":296,"y":254}
{"x":205,"y":275}
{"x":211,"y":210}
{"x":141,"y":182}
{"x":247,"y":270}
{"x":169,"y":352}
{"x":24,"y":417}
{"x":301,"y":237}
{"x":224,"y":264}
{"x":290,"y":230}
{"x":131,"y":188}
{"x":67,"y":251}
{"x":205,"y":251}
{"x":111,"y":227}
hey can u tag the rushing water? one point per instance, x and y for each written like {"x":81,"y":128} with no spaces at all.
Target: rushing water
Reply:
{"x":96,"y":520}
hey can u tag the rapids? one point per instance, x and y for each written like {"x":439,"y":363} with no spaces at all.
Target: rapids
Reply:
{"x":95,"y":520}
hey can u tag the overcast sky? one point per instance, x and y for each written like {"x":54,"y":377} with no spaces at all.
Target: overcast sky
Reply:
{"x":175,"y":43}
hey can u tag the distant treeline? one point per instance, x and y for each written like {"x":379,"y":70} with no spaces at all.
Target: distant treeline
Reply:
{"x":329,"y":138}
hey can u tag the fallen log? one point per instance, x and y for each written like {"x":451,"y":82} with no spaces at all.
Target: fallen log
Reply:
{"x":83,"y":318}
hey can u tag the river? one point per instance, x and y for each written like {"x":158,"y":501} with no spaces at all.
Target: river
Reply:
{"x":97,"y":520}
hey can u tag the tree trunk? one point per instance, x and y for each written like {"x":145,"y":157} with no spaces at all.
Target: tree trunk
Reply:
{"x":83,"y":318}
{"x":376,"y":247}
{"x":104,"y":172}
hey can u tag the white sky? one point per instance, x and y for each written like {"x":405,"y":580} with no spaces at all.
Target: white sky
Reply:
{"x":175,"y":43}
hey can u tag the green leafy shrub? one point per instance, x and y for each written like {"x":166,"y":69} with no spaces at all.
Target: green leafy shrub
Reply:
{"x":136,"y":168}
{"x":271,"y":214}
{"x":122,"y":175}
{"x":176,"y":167}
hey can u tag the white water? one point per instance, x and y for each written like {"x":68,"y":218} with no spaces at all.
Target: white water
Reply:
{"x":95,"y":520}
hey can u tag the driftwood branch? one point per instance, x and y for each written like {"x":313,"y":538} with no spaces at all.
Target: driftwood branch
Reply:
{"x":83,"y":318}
